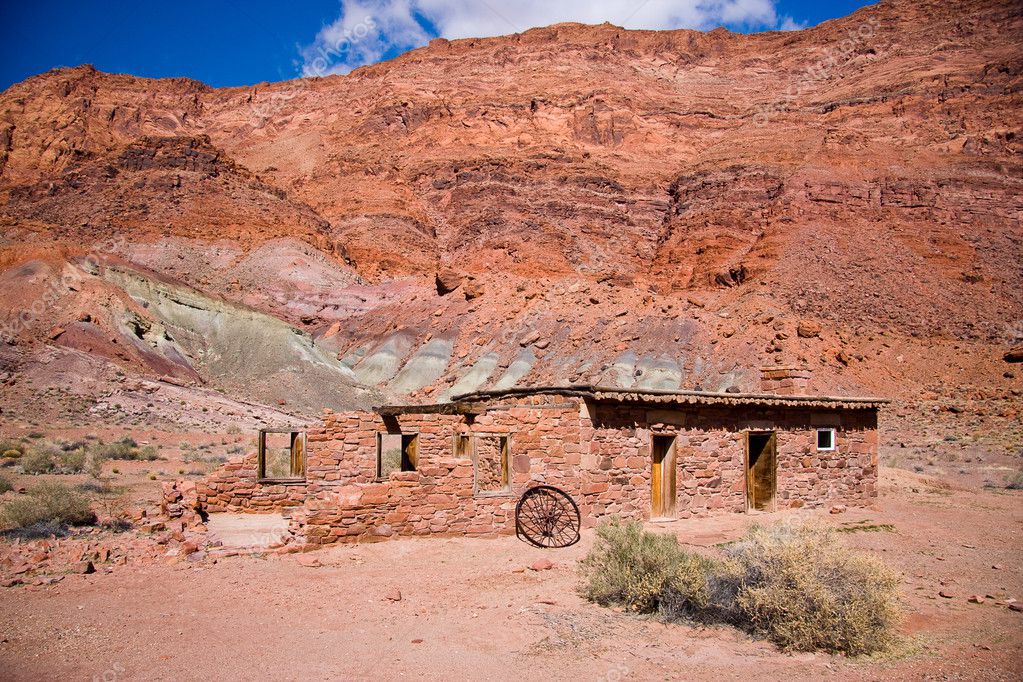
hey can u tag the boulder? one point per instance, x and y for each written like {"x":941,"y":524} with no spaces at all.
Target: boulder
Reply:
{"x":448,"y":280}
{"x":808,"y":329}
{"x":1014,"y":354}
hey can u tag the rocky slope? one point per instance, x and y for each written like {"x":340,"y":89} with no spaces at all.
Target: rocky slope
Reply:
{"x":663,"y":209}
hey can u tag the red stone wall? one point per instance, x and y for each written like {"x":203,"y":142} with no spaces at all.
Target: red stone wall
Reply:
{"x":599,"y":454}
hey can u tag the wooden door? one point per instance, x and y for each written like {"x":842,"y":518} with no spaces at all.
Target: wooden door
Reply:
{"x":297,"y":454}
{"x":662,"y":477}
{"x":409,"y":452}
{"x":761,"y":470}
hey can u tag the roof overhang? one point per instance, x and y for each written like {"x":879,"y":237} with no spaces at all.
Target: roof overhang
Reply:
{"x":476,"y":402}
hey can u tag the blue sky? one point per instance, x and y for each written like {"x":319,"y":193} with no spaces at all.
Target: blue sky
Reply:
{"x":241,"y":43}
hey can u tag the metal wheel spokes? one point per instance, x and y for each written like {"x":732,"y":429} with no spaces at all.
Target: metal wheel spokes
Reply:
{"x":547,"y":517}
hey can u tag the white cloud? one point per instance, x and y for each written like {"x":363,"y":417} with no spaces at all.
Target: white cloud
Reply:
{"x":369,"y":30}
{"x":787,"y":23}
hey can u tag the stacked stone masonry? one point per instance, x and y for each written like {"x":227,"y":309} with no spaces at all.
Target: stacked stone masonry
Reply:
{"x":597,"y":451}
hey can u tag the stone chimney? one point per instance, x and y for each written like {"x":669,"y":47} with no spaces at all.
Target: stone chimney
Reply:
{"x":784,"y":380}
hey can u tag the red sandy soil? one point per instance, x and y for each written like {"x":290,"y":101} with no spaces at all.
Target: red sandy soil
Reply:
{"x":468,"y":610}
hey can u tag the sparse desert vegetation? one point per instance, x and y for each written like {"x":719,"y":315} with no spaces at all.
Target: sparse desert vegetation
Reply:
{"x":45,"y":509}
{"x":797,"y":585}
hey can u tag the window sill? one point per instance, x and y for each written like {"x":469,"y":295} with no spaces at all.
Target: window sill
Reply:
{"x":493,"y":493}
{"x":281,"y":481}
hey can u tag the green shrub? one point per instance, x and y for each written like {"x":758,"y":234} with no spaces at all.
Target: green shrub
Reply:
{"x":631,"y":568}
{"x":5,"y":485}
{"x":22,"y":512}
{"x":797,"y":586}
{"x":146,"y":454}
{"x":118,"y":450}
{"x":12,"y":448}
{"x":48,"y":502}
{"x":94,"y":465}
{"x":805,"y":591}
{"x":40,"y":459}
{"x":72,"y":461}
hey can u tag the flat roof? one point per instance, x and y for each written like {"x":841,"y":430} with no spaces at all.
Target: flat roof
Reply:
{"x":466,"y":403}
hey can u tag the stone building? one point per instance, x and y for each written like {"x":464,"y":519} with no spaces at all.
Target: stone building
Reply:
{"x":459,"y":467}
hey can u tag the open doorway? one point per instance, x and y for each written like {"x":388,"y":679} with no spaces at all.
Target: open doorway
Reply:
{"x":761,"y":470}
{"x":662,"y":479}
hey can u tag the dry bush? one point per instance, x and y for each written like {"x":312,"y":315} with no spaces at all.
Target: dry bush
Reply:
{"x":72,"y":461}
{"x":805,"y":590}
{"x":797,"y":586}
{"x":47,"y":502}
{"x":5,"y":485}
{"x":629,"y":567}
{"x":126,"y":449}
{"x":12,"y":448}
{"x":40,"y":459}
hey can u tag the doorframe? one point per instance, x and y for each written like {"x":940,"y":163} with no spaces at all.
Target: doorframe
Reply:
{"x":668,"y":464}
{"x":746,"y":471}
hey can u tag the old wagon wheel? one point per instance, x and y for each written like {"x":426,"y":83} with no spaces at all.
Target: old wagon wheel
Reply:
{"x":547,"y":517}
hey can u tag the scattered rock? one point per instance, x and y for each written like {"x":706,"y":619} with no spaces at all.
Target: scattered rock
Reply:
{"x":808,"y":329}
{"x":541,"y":565}
{"x":83,"y":567}
{"x":838,"y":509}
{"x":393,"y":594}
{"x":1014,"y":354}
{"x":945,"y":594}
{"x":1016,"y":606}
{"x":975,"y":599}
{"x":447,"y":280}
{"x":308,"y":561}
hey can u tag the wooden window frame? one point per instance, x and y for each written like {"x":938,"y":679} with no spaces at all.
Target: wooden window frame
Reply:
{"x":414,"y":460}
{"x":834,"y":439}
{"x":298,"y":437}
{"x":506,"y":456}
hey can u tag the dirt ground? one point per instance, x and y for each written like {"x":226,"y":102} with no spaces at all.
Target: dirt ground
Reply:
{"x":469,"y":610}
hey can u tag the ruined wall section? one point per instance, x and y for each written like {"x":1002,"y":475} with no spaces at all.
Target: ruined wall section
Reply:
{"x":440,"y":497}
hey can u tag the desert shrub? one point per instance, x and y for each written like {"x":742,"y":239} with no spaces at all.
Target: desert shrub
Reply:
{"x":629,"y":567}
{"x":1015,"y":481}
{"x":40,"y":459}
{"x":46,"y":503}
{"x":117,"y":450}
{"x":12,"y":448}
{"x":147,"y":454}
{"x":5,"y":485}
{"x":95,"y":462}
{"x":22,"y":512}
{"x":72,"y":461}
{"x":805,"y":590}
{"x":127,"y":449}
{"x":797,"y":586}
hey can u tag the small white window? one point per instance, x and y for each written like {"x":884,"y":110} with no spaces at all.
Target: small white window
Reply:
{"x":825,"y":439}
